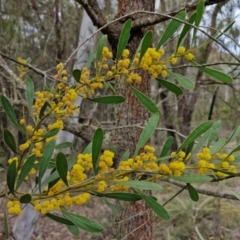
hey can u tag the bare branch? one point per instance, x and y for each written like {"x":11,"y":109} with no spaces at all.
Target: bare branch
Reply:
{"x":146,"y":21}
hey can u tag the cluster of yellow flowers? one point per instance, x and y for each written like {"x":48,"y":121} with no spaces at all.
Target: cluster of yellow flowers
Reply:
{"x":177,"y":166}
{"x":145,"y":161}
{"x":14,"y":207}
{"x":22,"y":69}
{"x":222,"y":162}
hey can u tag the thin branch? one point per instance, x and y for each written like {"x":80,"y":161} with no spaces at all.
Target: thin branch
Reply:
{"x":204,"y":191}
{"x":146,"y":21}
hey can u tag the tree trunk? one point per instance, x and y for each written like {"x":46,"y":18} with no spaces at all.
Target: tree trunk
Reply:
{"x":136,"y":219}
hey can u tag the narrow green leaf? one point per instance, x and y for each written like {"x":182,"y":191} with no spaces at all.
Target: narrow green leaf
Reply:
{"x":218,"y":75}
{"x":129,"y":197}
{"x":233,"y":151}
{"x":230,"y":190}
{"x":226,"y":29}
{"x":125,"y":156}
{"x":217,"y":146}
{"x":47,"y":154}
{"x":156,"y":207}
{"x":234,"y":134}
{"x":147,"y":132}
{"x":201,"y":141}
{"x":6,"y":231}
{"x":182,"y":80}
{"x":62,"y":167}
{"x":166,"y":147}
{"x":214,"y":131}
{"x":74,"y":230}
{"x":145,"y":101}
{"x":88,"y":148}
{"x":90,"y":59}
{"x":43,"y":109}
{"x":82,"y":222}
{"x":171,"y":28}
{"x":142,"y":185}
{"x":101,"y":44}
{"x":26,"y":168}
{"x":27,"y":198}
{"x":197,"y":132}
{"x":11,"y":176}
{"x":114,"y":208}
{"x":199,"y":11}
{"x":9,"y":140}
{"x":225,"y":172}
{"x":123,"y":39}
{"x":108,"y":99}
{"x":192,"y":178}
{"x":96,"y":148}
{"x":30,"y":94}
{"x":170,"y":86}
{"x":192,"y":193}
{"x":59,"y":219}
{"x":8,"y":109}
{"x":76,"y":73}
{"x":186,"y":29}
{"x":63,"y":145}
{"x":51,"y":133}
{"x":145,"y":44}
{"x":189,"y":149}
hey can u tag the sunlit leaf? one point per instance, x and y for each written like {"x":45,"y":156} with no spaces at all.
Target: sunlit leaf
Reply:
{"x":218,"y":75}
{"x":170,"y":86}
{"x":63,"y":145}
{"x":90,"y":59}
{"x":101,"y":44}
{"x":146,"y":101}
{"x":82,"y":222}
{"x":171,"y":28}
{"x":147,"y":132}
{"x":217,"y":146}
{"x":142,"y":185}
{"x":214,"y":131}
{"x":156,"y":207}
{"x":202,"y":140}
{"x":30,"y":94}
{"x":74,"y":230}
{"x":114,"y":208}
{"x":123,"y":39}
{"x":59,"y":219}
{"x":234,"y":134}
{"x":51,"y":133}
{"x":125,"y":156}
{"x":192,"y":178}
{"x":186,"y":29}
{"x":182,"y":80}
{"x":197,"y":132}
